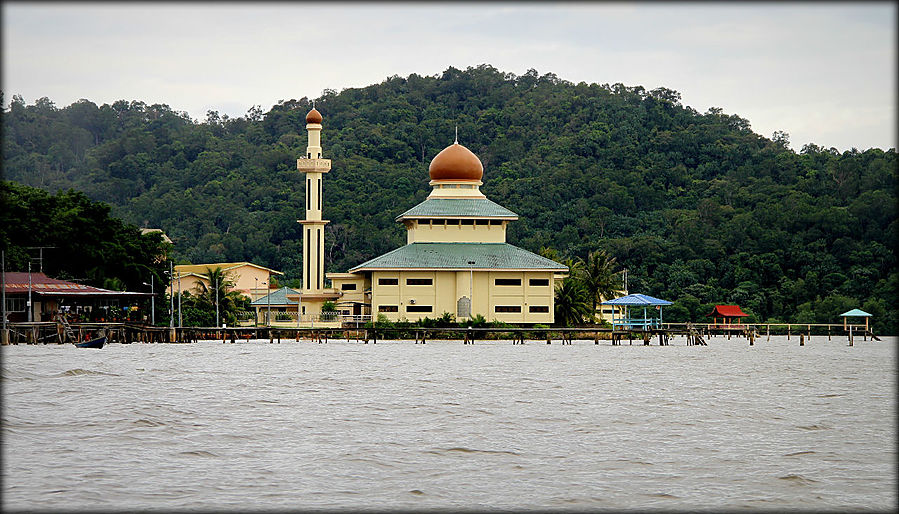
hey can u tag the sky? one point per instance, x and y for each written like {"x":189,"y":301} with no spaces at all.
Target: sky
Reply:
{"x":825,"y":73}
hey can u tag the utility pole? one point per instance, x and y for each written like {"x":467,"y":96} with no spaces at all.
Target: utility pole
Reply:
{"x":216,"y":302}
{"x":40,"y":258}
{"x":470,"y":281}
{"x":171,"y":297}
{"x":180,"y":322}
{"x":3,"y":335}
{"x":152,"y":301}
{"x":30,"y":309}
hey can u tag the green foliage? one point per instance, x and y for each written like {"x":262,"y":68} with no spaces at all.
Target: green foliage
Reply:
{"x":692,"y":204}
{"x":572,"y":302}
{"x":476,"y":321}
{"x":84,"y":242}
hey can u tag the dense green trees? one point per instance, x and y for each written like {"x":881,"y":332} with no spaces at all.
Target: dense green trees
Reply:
{"x":696,"y":206}
{"x":84,"y":242}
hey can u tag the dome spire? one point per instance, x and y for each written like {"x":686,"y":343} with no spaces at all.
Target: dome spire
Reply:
{"x":457,"y":135}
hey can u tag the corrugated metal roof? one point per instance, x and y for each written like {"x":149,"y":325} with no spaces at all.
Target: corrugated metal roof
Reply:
{"x":637,"y":299}
{"x":467,"y":207}
{"x":457,"y":256}
{"x":278,"y":297}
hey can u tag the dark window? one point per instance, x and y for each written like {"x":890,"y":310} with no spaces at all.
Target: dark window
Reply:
{"x":347,"y":287}
{"x":388,"y":281}
{"x":534,"y":282}
{"x":507,"y":282}
{"x":482,"y":222}
{"x":388,"y":308}
{"x":496,"y":222}
{"x":452,"y":222}
{"x":467,"y":222}
{"x":319,"y":194}
{"x":308,"y":194}
{"x":419,"y":308}
{"x":507,"y":308}
{"x":419,"y":282}
{"x":538,"y":308}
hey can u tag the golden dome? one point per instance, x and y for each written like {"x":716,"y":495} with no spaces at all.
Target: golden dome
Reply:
{"x":456,"y":162}
{"x":313,"y":116}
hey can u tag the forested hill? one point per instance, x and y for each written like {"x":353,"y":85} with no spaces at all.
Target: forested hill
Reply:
{"x":698,"y":207}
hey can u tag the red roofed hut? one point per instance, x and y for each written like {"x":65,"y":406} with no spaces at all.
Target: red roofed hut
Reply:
{"x":730,"y":316}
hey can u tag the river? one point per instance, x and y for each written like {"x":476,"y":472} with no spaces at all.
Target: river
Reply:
{"x":404,"y":426}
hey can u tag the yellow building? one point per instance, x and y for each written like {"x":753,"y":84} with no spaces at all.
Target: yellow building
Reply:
{"x":249,"y":279}
{"x":456,"y":259}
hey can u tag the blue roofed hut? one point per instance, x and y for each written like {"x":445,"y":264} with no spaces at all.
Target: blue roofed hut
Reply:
{"x":635,"y":301}
{"x":855,"y":313}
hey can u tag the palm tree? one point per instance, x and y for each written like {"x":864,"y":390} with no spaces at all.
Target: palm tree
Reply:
{"x":219,"y":292}
{"x":550,"y":253}
{"x":599,"y":277}
{"x":572,"y":302}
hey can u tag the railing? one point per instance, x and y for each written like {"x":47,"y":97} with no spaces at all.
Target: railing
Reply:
{"x":635,"y":323}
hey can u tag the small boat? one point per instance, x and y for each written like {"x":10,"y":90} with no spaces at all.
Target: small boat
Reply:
{"x":93,"y":343}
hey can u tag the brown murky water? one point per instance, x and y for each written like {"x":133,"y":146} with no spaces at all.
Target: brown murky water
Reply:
{"x":491,"y":426}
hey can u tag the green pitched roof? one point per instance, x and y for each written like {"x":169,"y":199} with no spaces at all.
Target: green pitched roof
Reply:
{"x":278,"y":297}
{"x":466,"y":207}
{"x":457,"y":256}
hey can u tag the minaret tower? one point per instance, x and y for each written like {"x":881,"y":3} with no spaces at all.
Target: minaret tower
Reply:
{"x":313,"y":226}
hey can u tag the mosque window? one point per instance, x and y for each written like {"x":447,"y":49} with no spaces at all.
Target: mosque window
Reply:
{"x":507,"y":308}
{"x":388,"y":281}
{"x":347,"y":287}
{"x":538,"y":282}
{"x":496,"y":222}
{"x":482,"y":222}
{"x":388,"y":308}
{"x":419,"y":281}
{"x":467,"y":222}
{"x":419,"y":308}
{"x":452,"y":222}
{"x":538,"y":308}
{"x":507,"y":282}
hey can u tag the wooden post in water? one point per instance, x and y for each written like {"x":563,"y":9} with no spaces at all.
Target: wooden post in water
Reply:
{"x":789,"y":328}
{"x":850,"y":335}
{"x":828,"y":332}
{"x":801,"y":339}
{"x":768,"y":331}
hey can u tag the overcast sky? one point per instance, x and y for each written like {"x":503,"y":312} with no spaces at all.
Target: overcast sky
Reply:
{"x":823,"y":72}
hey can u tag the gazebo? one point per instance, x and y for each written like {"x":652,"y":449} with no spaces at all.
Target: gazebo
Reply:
{"x":637,"y":300}
{"x":855,"y":313}
{"x":728,"y":314}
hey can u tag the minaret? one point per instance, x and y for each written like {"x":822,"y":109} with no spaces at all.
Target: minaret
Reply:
{"x":313,"y":226}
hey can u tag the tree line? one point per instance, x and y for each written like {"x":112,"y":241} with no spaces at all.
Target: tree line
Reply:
{"x":697,"y":207}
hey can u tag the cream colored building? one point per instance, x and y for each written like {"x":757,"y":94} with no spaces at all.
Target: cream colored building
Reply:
{"x":250,"y":280}
{"x":456,"y":259}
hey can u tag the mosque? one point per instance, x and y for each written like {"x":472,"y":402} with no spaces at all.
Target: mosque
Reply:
{"x":456,"y":259}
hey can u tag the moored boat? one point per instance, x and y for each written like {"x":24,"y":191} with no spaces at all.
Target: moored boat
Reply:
{"x":93,"y":343}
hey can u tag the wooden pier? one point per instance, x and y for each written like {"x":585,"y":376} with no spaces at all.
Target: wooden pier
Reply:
{"x":695,"y":334}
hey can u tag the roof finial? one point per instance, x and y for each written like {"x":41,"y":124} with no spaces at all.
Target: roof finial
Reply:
{"x":313,"y":103}
{"x":457,"y":135}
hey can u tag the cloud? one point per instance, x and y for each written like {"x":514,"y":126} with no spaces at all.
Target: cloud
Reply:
{"x":778,"y":65}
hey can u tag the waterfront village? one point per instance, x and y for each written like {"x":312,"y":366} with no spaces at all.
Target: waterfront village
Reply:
{"x":455,"y":264}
